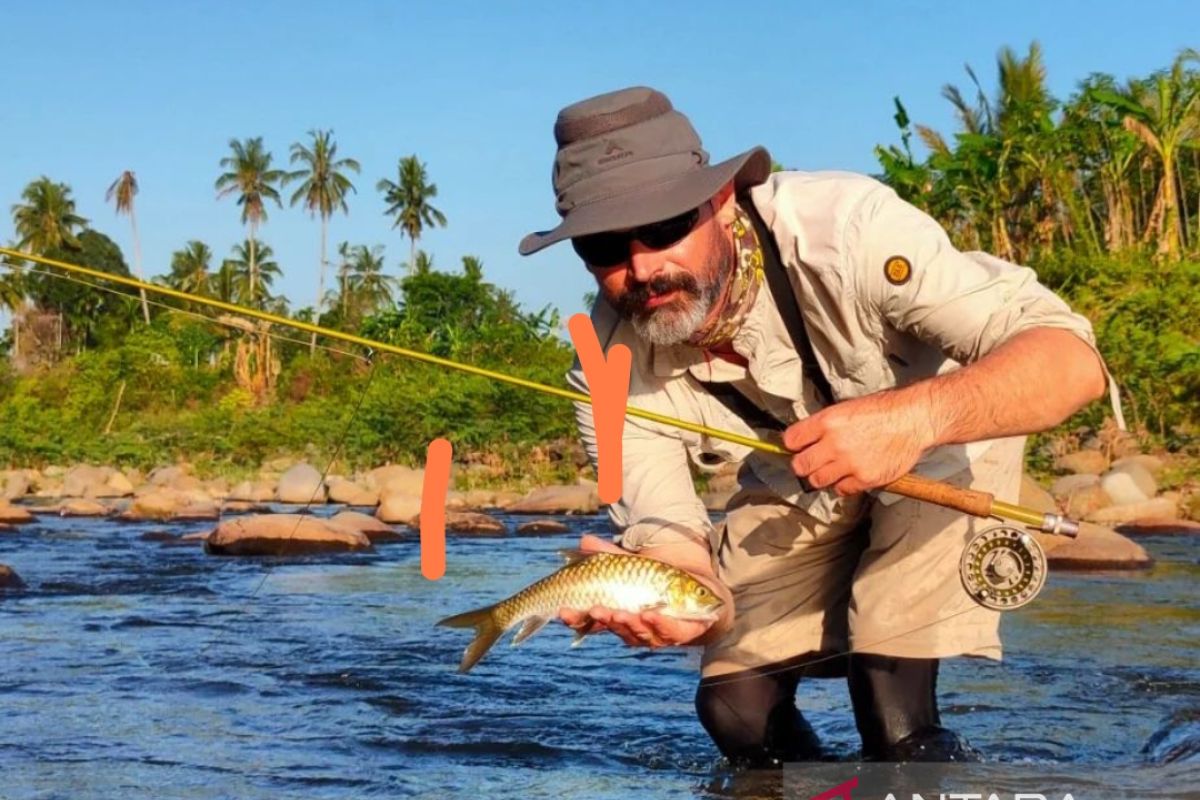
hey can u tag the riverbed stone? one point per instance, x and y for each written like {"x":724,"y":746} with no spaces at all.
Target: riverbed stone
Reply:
{"x":474,"y":523}
{"x":9,"y":579}
{"x":1089,"y":462}
{"x":397,"y":508}
{"x":253,"y":492}
{"x":85,"y":480}
{"x":373,"y":528}
{"x":1096,"y":548}
{"x":1129,"y":483}
{"x":14,"y":515}
{"x":396,"y":479}
{"x":79,"y":507}
{"x":351,"y":493}
{"x":14,"y":485}
{"x":1158,"y":508}
{"x":1064,"y":487}
{"x":1160,"y":527}
{"x":1084,"y":502}
{"x":1152,"y":464}
{"x":558,"y":500}
{"x":301,"y":484}
{"x":1033,"y":495}
{"x":505,"y":498}
{"x":283,"y":535}
{"x":541,"y":526}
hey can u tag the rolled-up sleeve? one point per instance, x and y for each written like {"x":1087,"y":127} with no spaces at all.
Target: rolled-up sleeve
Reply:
{"x":658,"y":502}
{"x":966,"y":304}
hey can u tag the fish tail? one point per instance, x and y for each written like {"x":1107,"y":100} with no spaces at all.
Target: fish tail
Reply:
{"x":487,"y":631}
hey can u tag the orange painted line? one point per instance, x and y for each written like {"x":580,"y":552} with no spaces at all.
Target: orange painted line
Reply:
{"x":433,"y":508}
{"x":608,"y":384}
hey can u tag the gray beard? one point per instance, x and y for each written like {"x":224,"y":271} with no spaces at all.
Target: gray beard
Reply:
{"x":675,"y":326}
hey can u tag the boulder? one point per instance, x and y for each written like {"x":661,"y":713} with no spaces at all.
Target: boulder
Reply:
{"x":301,"y":485}
{"x":480,"y":498}
{"x":14,"y":515}
{"x":167,"y":476}
{"x":1084,"y":502}
{"x":458,"y":501}
{"x":397,"y":508}
{"x":372,"y":528}
{"x":558,"y":500}
{"x":217,"y":488}
{"x":505,"y":499}
{"x":84,"y":480}
{"x":1085,"y":462}
{"x":54,"y":471}
{"x":473,"y":522}
{"x":1129,"y":483}
{"x":396,"y":479}
{"x":157,"y":504}
{"x":537,"y":526}
{"x":117,"y":485}
{"x":1067,"y":485}
{"x":9,"y":579}
{"x":197,"y":512}
{"x":15,"y":485}
{"x":79,"y":507}
{"x":1160,"y":527}
{"x":282,"y":535}
{"x":253,"y":492}
{"x":1152,"y":464}
{"x":244,"y":507}
{"x":49,"y":488}
{"x":350,"y":493}
{"x":1096,"y":548}
{"x":1158,"y":508}
{"x":1035,"y":497}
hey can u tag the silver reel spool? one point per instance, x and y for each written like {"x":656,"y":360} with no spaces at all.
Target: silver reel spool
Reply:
{"x":1003,"y":568}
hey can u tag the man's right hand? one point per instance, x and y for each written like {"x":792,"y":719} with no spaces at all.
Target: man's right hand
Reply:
{"x":651,"y":628}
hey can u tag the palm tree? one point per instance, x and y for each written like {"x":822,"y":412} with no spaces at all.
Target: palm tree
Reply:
{"x":323,"y":191}
{"x":252,"y":280}
{"x":12,"y":299}
{"x":47,"y":219}
{"x":363,"y":286}
{"x":251,"y":177}
{"x":1165,"y":120}
{"x":121,"y":192}
{"x":408,"y":202}
{"x":190,"y":269}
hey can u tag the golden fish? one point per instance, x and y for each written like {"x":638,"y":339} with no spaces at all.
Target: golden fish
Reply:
{"x":624,"y":582}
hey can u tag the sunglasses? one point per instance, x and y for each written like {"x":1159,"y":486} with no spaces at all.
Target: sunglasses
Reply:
{"x":612,"y":247}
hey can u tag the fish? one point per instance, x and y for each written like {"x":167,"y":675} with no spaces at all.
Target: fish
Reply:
{"x":626,"y":582}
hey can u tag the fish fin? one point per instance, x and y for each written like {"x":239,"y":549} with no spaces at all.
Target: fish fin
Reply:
{"x":487,"y":631}
{"x":572,"y":556}
{"x":531,"y":626}
{"x":579,"y":637}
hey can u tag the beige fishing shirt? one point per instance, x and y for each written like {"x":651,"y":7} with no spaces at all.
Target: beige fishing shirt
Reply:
{"x":874,"y":325}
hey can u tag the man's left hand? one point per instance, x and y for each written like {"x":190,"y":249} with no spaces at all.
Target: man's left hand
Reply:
{"x":863,"y":443}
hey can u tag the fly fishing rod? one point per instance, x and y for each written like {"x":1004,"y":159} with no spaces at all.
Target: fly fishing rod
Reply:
{"x":968,"y":501}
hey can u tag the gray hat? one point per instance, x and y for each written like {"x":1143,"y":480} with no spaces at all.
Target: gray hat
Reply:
{"x":628,"y":158}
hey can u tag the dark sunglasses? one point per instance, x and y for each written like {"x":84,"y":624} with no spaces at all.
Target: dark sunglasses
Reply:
{"x":611,"y":247}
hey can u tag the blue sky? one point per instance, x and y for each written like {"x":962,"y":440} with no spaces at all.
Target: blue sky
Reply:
{"x":91,"y":89}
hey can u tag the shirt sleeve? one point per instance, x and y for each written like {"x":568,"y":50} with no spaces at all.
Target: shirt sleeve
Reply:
{"x":908,"y":273}
{"x":658,"y":504}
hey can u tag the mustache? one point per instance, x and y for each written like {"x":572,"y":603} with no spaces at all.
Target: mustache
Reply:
{"x":634,"y":300}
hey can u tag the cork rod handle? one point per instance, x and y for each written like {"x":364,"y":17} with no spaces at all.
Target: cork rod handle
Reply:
{"x":968,"y":501}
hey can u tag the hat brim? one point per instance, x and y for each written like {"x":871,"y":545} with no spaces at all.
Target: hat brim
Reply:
{"x":659,"y":202}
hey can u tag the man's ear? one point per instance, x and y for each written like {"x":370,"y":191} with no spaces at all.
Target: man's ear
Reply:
{"x":723,"y":204}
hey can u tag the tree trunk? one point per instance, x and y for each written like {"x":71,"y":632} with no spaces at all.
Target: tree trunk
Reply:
{"x":137,"y":262}
{"x":253,"y":265}
{"x":312,"y":345}
{"x":1168,"y":243}
{"x":412,"y":255}
{"x":116,"y":407}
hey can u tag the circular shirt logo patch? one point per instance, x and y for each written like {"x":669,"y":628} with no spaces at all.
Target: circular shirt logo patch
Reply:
{"x":898,"y":269}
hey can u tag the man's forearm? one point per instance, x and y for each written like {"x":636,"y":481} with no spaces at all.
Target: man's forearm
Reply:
{"x":1030,"y":383}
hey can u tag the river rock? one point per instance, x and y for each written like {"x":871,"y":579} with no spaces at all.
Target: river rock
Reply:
{"x":1085,"y":462}
{"x":541,"y":526}
{"x":54,"y":471}
{"x":244,"y":507}
{"x":396,"y":479}
{"x":473,"y":522}
{"x":15,"y":485}
{"x":1034,"y":496}
{"x":1096,"y":548}
{"x":1064,"y":487}
{"x":84,"y":480}
{"x":282,"y":535}
{"x":14,"y":515}
{"x":117,"y":485}
{"x":1084,"y":502}
{"x":79,"y":507}
{"x":1158,"y":508}
{"x":558,"y":500}
{"x":398,"y":509}
{"x":301,"y":485}
{"x":372,"y":528}
{"x":480,"y":498}
{"x":1152,"y":464}
{"x":505,"y":499}
{"x":1129,"y":483}
{"x":253,"y":492}
{"x":1160,"y":527}
{"x":350,"y":493}
{"x":9,"y":579}
{"x":154,"y":504}
{"x":49,"y":489}
{"x":216,"y":489}
{"x":457,"y":501}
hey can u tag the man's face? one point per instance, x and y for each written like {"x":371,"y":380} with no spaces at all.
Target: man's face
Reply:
{"x":669,"y":294}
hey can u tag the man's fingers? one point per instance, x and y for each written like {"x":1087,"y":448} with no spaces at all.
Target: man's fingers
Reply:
{"x":812,"y":458}
{"x":803,"y":433}
{"x":828,"y":475}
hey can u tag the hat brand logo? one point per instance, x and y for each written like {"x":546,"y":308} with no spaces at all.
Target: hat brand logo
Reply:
{"x":613,"y":152}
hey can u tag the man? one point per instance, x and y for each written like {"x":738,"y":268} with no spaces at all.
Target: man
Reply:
{"x":883,"y":350}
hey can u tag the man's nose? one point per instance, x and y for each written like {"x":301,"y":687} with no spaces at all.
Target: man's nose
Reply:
{"x":645,"y":262}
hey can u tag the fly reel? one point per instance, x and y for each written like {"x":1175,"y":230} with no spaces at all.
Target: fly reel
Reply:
{"x":1003,"y":568}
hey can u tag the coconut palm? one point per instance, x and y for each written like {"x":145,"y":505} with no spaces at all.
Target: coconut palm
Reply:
{"x":46,"y":220}
{"x":190,"y":269}
{"x":363,"y":288}
{"x":121,"y":193}
{"x":1166,"y":119}
{"x":408,"y":202}
{"x":250,"y":176}
{"x":323,"y":191}
{"x":251,"y":279}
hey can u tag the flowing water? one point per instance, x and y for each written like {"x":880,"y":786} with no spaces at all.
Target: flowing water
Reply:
{"x":133,"y":668}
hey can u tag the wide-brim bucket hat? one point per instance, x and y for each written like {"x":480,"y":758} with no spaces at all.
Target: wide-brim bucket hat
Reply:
{"x":628,"y":158}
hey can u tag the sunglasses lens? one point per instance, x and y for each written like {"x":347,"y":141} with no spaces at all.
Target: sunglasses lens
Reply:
{"x":602,"y":249}
{"x":666,"y":233}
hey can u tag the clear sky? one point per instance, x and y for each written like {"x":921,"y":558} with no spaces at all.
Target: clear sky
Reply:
{"x":90,"y":89}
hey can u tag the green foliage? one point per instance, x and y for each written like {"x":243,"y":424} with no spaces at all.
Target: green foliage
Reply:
{"x":91,"y":315}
